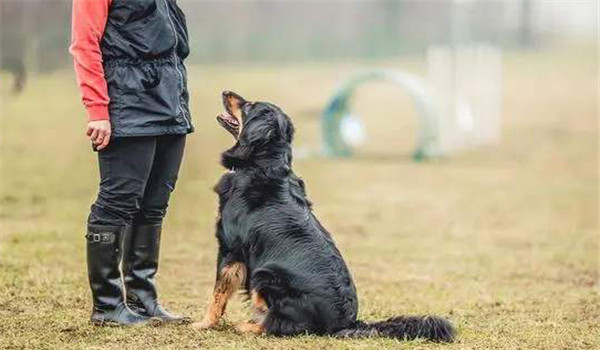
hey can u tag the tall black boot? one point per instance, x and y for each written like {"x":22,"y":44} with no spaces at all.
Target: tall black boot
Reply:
{"x":103,"y":257}
{"x":140,"y":263}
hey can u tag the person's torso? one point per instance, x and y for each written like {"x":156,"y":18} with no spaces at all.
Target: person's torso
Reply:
{"x":143,"y":48}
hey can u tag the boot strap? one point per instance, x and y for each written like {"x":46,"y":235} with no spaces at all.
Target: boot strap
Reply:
{"x":101,"y":237}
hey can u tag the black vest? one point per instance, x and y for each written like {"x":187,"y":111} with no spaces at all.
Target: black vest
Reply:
{"x":143,"y":48}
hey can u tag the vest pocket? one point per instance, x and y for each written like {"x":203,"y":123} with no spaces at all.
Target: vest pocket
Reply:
{"x":144,"y":99}
{"x":134,"y":77}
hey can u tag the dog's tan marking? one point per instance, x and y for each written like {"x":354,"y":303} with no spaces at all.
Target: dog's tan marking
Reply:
{"x":250,"y":327}
{"x":230,"y":279}
{"x":235,"y":107}
{"x":259,"y":310}
{"x":258,"y":303}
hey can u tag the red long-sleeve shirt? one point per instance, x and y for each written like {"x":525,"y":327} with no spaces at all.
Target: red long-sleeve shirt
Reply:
{"x":89,"y":22}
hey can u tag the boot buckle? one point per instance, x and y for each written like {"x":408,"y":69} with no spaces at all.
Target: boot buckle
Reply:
{"x":94,"y":237}
{"x":105,"y":237}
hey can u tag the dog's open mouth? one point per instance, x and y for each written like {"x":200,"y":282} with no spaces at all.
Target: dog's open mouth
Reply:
{"x":230,"y":123}
{"x":231,"y":120}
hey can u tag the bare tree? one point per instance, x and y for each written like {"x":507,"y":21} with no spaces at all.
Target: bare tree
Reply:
{"x":12,"y":41}
{"x":525,"y":28}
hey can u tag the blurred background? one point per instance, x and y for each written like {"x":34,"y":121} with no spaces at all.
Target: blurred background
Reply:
{"x":454,"y":141}
{"x":457,"y":45}
{"x":296,"y":31}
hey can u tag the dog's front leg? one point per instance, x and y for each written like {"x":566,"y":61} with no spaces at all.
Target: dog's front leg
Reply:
{"x":229,"y":279}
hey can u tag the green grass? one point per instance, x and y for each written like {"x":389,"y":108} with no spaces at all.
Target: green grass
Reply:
{"x":502,"y":240}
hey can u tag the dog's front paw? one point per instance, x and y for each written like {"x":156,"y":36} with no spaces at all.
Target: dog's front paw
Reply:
{"x":250,"y":327}
{"x":204,"y":324}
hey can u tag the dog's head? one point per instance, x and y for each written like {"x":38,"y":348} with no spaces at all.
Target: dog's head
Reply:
{"x":262,"y":130}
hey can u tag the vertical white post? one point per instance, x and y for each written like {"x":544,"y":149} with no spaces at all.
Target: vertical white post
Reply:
{"x":465,"y":83}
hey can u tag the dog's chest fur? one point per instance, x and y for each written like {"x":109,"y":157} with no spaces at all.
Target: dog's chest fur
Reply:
{"x":244,"y":198}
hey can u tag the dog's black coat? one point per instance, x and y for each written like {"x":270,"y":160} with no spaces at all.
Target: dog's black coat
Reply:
{"x":265,"y":221}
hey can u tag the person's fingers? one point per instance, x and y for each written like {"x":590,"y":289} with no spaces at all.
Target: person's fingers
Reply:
{"x":101,"y":136}
{"x":89,"y":130}
{"x":94,"y":135}
{"x":105,"y":141}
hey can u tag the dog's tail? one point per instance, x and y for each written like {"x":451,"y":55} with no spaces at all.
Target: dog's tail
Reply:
{"x":433,"y":328}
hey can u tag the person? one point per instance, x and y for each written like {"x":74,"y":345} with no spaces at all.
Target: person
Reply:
{"x":128,"y":58}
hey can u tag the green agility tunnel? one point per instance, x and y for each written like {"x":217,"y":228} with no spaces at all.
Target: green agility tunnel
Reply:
{"x":338,"y":110}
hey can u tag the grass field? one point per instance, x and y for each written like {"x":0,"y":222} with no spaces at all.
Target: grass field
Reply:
{"x":502,"y":240}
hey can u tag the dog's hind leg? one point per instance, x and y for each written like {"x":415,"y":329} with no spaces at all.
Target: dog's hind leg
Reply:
{"x":229,"y":279}
{"x":289,"y":312}
{"x":259,"y":310}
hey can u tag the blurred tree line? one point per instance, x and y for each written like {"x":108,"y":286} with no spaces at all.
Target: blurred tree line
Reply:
{"x":35,"y":33}
{"x":34,"y":36}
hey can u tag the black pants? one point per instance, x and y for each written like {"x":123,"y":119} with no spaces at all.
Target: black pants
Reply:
{"x":137,"y":176}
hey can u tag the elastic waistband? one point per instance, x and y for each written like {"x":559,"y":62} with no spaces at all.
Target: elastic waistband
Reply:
{"x":138,"y":62}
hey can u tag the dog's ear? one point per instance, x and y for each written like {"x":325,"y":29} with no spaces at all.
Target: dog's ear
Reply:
{"x":285,"y":127}
{"x":253,"y":137}
{"x":258,"y":133}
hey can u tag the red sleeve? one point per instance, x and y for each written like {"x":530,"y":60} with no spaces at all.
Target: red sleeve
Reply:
{"x":89,"y":21}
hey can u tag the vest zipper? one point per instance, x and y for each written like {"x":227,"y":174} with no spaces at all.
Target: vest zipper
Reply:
{"x":176,"y":59}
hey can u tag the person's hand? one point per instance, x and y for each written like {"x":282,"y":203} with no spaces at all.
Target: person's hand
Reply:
{"x":99,"y":132}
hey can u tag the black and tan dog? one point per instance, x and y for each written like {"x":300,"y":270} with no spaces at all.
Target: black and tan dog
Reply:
{"x":272,"y":245}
